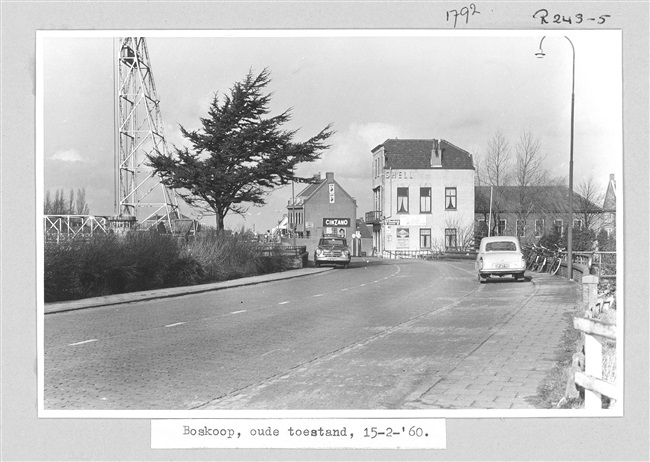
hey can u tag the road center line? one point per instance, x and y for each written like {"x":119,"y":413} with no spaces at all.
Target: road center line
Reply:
{"x":175,"y":324}
{"x":85,"y":341}
{"x":319,"y":295}
{"x":283,"y":303}
{"x":240,"y":311}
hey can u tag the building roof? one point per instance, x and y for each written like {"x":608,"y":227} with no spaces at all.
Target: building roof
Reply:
{"x":609,"y":204}
{"x":416,"y":154}
{"x":306,"y":194}
{"x":540,"y":199}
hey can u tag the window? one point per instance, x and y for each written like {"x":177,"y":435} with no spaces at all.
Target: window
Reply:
{"x":450,"y":238}
{"x":577,"y":223}
{"x":539,"y":227}
{"x":425,"y":238}
{"x":425,"y":200}
{"x":450,"y":198}
{"x":501,"y":228}
{"x":558,"y":227}
{"x":402,"y":200}
{"x":521,"y":228}
{"x":377,"y":199}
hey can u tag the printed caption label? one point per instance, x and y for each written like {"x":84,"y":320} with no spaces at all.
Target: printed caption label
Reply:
{"x":299,"y":433}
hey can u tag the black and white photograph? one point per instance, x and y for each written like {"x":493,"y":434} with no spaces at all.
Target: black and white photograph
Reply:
{"x":331,"y":220}
{"x":346,"y":237}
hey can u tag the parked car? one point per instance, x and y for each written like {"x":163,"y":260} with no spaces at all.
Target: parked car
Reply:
{"x":500,"y":256}
{"x":332,"y":251}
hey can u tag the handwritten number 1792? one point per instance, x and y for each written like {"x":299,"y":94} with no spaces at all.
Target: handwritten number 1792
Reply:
{"x":466,"y":11}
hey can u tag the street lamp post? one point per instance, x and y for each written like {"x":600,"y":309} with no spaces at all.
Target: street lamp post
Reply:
{"x":541,"y":54}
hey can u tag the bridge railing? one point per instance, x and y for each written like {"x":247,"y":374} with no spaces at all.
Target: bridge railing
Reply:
{"x":592,"y":378}
{"x":67,"y":227}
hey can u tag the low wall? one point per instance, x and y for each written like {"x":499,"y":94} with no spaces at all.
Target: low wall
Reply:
{"x":579,"y":270}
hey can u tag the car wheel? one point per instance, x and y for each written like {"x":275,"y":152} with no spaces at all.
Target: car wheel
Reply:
{"x":317,"y":264}
{"x":480,"y":279}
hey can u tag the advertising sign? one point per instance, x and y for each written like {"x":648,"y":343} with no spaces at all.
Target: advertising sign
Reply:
{"x":336,"y":222}
{"x":402,"y":238}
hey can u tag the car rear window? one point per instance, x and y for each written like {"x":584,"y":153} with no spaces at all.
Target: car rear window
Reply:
{"x":501,"y":246}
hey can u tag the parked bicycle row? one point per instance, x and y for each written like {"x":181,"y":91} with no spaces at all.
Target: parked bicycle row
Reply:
{"x":542,"y":259}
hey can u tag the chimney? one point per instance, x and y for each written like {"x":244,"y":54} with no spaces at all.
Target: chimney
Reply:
{"x":329,"y":176}
{"x":436,"y":154}
{"x":317,"y":176}
{"x":611,"y":177}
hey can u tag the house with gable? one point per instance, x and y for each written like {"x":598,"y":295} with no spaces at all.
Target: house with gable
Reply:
{"x":423,"y":195}
{"x":323,"y":207}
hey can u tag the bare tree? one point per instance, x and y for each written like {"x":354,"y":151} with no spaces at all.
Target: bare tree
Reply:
{"x":529,"y":171}
{"x":589,"y":195}
{"x":495,"y":170}
{"x":497,"y":161}
{"x":82,"y":206}
{"x":464,"y":232}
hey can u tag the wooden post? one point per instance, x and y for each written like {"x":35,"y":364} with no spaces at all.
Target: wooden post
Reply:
{"x":589,"y":289}
{"x":593,"y":368}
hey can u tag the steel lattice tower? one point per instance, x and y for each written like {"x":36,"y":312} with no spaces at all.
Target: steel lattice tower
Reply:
{"x":139,"y":193}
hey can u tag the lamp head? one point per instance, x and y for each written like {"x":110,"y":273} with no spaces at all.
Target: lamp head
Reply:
{"x":540,"y":54}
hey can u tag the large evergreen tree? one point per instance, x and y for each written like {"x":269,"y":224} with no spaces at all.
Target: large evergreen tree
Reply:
{"x":239,"y":155}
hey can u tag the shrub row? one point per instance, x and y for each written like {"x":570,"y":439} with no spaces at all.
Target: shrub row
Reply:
{"x":137,"y":261}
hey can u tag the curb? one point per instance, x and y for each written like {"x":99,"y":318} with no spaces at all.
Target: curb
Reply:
{"x":132,"y":297}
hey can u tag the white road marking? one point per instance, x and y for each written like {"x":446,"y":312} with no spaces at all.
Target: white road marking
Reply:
{"x":85,"y":341}
{"x":319,"y":295}
{"x":343,"y":290}
{"x":283,"y":303}
{"x":240,"y":311}
{"x":362,"y":285}
{"x":175,"y":324}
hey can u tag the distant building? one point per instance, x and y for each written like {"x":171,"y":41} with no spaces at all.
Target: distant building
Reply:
{"x":423,"y":192}
{"x":532,"y":211}
{"x":609,"y":207}
{"x":323,"y":207}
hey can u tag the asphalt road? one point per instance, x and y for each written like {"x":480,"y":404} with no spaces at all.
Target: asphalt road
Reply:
{"x":369,"y":337}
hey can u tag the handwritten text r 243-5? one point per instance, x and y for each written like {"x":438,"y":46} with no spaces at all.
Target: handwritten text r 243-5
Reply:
{"x":546,"y":18}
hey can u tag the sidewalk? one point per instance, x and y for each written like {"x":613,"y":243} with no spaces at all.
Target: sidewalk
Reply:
{"x":131,"y":297}
{"x":507,"y":369}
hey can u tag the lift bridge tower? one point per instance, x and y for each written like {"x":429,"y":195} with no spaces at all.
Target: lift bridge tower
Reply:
{"x":141,"y":200}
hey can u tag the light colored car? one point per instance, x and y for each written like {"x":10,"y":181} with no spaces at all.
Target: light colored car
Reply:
{"x":332,"y":251}
{"x":500,"y":256}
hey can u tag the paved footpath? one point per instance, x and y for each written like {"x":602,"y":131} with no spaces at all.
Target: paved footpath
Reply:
{"x":505,"y":371}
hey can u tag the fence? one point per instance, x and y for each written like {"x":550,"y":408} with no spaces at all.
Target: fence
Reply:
{"x":592,"y":377}
{"x":66,"y":227}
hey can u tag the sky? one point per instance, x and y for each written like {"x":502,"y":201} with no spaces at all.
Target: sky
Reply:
{"x":370,"y":85}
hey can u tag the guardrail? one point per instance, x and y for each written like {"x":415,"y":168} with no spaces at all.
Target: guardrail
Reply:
{"x":426,"y":254}
{"x":601,"y":264}
{"x":592,"y":377}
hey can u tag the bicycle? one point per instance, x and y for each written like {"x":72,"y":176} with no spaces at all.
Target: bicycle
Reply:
{"x":556,"y":263}
{"x":540,"y":263}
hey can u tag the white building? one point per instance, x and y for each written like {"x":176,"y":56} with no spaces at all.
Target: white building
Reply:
{"x":423,"y":197}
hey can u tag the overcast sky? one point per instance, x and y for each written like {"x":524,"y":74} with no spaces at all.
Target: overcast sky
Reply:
{"x":459,"y":87}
